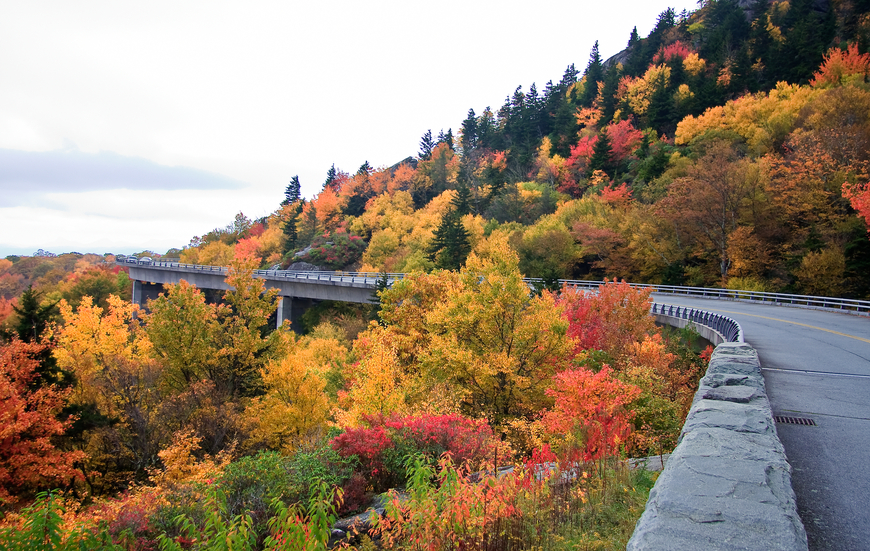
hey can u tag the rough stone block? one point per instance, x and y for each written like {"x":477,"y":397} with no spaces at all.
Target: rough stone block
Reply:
{"x":739,"y":394}
{"x":753,"y":417}
{"x":715,"y":380}
{"x":722,"y":490}
{"x":728,"y":483}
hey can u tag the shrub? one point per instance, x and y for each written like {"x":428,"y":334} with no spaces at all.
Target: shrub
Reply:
{"x":383,"y":447}
{"x":251,"y":483}
{"x":322,"y":465}
{"x":336,"y":250}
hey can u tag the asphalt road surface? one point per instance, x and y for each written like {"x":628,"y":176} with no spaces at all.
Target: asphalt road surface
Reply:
{"x":816,"y":365}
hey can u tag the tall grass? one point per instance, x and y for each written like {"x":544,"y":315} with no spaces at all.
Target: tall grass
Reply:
{"x":550,"y":506}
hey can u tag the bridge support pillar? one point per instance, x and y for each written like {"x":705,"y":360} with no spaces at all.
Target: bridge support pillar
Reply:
{"x":143,"y":291}
{"x":285,"y":310}
{"x":137,"y":293}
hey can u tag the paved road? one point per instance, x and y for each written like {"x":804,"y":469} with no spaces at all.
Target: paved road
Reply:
{"x":816,"y":365}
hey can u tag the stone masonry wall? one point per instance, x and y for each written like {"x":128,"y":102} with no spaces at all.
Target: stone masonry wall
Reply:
{"x":727,"y":485}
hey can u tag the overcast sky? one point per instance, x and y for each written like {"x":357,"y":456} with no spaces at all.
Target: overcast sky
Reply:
{"x":136,"y":125}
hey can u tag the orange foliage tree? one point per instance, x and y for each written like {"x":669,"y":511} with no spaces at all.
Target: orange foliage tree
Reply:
{"x":28,"y":422}
{"x":839,"y":65}
{"x":590,"y":411}
{"x":859,"y":197}
{"x":610,"y":320}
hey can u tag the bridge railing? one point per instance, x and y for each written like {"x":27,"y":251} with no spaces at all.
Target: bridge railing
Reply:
{"x":725,"y":326}
{"x":782,"y":299}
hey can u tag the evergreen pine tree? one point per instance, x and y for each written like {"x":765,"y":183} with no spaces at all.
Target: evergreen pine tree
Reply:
{"x":293,"y":191}
{"x":365,"y":169}
{"x":660,"y":114}
{"x":291,"y":236}
{"x":427,"y":144}
{"x":450,"y":245}
{"x":468,"y":141}
{"x":33,"y":320}
{"x":602,"y":155}
{"x":462,"y":201}
{"x":564,"y":133}
{"x":594,"y":74}
{"x":448,"y":138}
{"x":635,"y":64}
{"x":611,"y":85}
{"x":330,"y":177}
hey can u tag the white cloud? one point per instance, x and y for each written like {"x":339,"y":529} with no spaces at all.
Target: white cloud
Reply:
{"x":261,"y":91}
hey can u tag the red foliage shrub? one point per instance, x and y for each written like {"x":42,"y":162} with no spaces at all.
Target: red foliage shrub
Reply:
{"x":676,"y":50}
{"x":591,"y":405}
{"x":354,"y":496}
{"x":385,"y":444}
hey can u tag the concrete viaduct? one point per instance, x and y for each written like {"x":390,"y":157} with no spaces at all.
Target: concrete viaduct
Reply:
{"x":297,"y":291}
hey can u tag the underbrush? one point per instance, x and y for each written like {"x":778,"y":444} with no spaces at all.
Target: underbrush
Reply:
{"x":542,"y":505}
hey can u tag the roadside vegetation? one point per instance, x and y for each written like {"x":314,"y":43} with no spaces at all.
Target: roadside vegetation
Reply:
{"x":727,"y":148}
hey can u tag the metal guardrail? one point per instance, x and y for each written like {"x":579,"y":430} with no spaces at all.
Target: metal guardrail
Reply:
{"x":725,"y":326}
{"x":778,"y":299}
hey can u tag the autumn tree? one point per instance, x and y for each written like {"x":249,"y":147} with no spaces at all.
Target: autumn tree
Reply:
{"x":30,"y":420}
{"x":608,"y":320}
{"x":491,"y":340}
{"x":181,"y":325}
{"x":295,"y":406}
{"x":590,"y":411}
{"x":224,"y":344}
{"x":116,"y":390}
{"x":859,"y":197}
{"x":713,"y":199}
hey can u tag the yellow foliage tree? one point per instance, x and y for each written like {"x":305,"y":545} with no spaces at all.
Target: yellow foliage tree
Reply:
{"x":493,"y":342}
{"x":295,"y":406}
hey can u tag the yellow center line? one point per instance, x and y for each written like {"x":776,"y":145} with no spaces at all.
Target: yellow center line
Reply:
{"x":786,"y":321}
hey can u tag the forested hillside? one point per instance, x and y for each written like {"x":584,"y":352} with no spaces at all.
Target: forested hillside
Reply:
{"x":720,"y":150}
{"x":728,"y":147}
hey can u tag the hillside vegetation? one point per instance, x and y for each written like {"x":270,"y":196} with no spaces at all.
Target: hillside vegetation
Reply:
{"x":721,"y":150}
{"x":729,"y":147}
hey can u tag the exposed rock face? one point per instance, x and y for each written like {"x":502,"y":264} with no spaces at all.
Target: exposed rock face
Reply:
{"x":728,"y":484}
{"x":304,"y":267}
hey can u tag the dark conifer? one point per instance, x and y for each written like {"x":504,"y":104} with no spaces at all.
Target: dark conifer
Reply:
{"x":33,"y":317}
{"x":330,"y":177}
{"x":365,"y":169}
{"x":293,"y":192}
{"x":602,"y":155}
{"x":427,"y":144}
{"x":469,"y":133}
{"x":291,"y":236}
{"x":33,"y":321}
{"x":594,"y":74}
{"x":462,"y":201}
{"x":450,"y":245}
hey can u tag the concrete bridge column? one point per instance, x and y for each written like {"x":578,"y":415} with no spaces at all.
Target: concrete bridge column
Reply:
{"x":285,"y":310}
{"x":137,"y":294}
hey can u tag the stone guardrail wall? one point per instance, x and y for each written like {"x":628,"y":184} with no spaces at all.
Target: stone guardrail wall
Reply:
{"x":727,"y":485}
